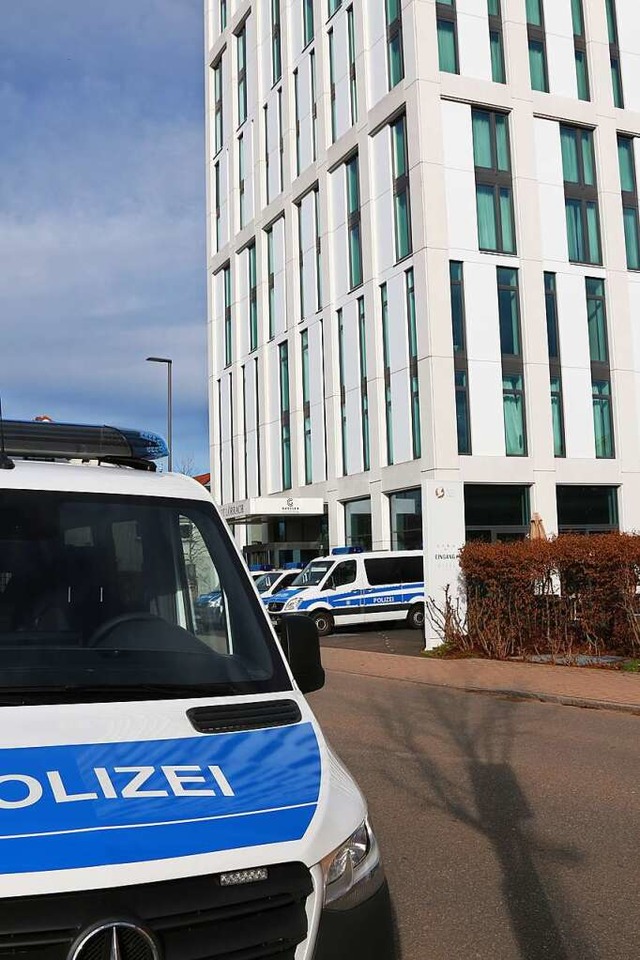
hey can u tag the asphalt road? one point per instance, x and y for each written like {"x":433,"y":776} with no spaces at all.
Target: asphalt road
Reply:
{"x":509,"y":829}
{"x":385,"y":638}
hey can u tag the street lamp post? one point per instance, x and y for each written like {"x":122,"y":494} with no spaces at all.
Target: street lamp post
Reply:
{"x":169,"y":364}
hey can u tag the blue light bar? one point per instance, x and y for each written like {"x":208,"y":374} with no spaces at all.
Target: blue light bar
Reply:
{"x":341,"y":551}
{"x":73,"y":441}
{"x":261,"y":567}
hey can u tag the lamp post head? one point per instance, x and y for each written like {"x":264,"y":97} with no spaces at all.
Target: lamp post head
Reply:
{"x":159,"y":360}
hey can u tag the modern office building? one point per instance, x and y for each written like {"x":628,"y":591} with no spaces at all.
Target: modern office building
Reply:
{"x":424,"y":269}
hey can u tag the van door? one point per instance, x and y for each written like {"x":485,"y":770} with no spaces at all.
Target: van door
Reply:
{"x":343,"y":592}
{"x":382,"y":597}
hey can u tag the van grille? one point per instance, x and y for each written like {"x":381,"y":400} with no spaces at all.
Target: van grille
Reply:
{"x":193,"y":917}
{"x":244,"y":716}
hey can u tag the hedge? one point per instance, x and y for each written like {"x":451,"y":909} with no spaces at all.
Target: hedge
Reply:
{"x":565,"y":596}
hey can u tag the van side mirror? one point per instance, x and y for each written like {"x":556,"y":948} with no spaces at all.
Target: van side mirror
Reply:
{"x":301,"y":645}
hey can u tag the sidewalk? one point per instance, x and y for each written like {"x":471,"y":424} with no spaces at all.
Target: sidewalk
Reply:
{"x":573,"y":686}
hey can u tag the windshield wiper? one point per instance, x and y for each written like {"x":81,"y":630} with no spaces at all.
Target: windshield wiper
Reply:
{"x":104,"y":693}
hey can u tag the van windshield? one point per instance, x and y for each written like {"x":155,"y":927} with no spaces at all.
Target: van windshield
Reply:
{"x":125,"y":598}
{"x":312,"y":573}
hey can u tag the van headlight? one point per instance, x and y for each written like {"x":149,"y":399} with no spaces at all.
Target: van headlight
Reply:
{"x":292,"y":604}
{"x":354,"y":871}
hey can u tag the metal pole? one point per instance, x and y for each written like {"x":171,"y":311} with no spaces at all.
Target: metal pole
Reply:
{"x":170,"y":413}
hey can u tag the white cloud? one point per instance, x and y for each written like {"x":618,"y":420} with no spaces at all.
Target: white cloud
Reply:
{"x":102,"y":213}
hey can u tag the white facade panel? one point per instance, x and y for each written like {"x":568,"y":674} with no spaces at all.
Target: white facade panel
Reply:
{"x":576,"y":365}
{"x":401,"y":416}
{"x":280,"y":278}
{"x":473,"y":39}
{"x":338,"y":250}
{"x":270,"y":395}
{"x":553,"y":227}
{"x":485,"y":408}
{"x":251,"y":430}
{"x":629,"y":40}
{"x":382,"y":200}
{"x":273,"y":146}
{"x":307,"y":240}
{"x":341,"y":73}
{"x":460,"y":184}
{"x":249,"y":178}
{"x":481,"y":303}
{"x":226,"y":438}
{"x":376,"y":39}
{"x":316,"y":401}
{"x":560,"y":49}
{"x":305,"y":115}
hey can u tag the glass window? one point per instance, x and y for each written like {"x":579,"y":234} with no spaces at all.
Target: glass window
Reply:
{"x":494,"y":202}
{"x":384,"y":302}
{"x":534,"y":12}
{"x":462,"y":412}
{"x":357,"y":521}
{"x":582,"y":74}
{"x":413,"y":364}
{"x":276,"y":42}
{"x":496,"y":511}
{"x":447,"y":46}
{"x":626,"y":161}
{"x":353,"y":86}
{"x":253,"y":298}
{"x":538,"y":66}
{"x":138,"y":592}
{"x":333,"y":6}
{"x":343,"y":393}
{"x":353,"y":212}
{"x":551,"y":308}
{"x":587,"y":509}
{"x":557,"y":418}
{"x":395,"y":54}
{"x":307,"y":21}
{"x":228,"y":339}
{"x":241,"y":43}
{"x":614,"y":54}
{"x":509,"y":311}
{"x":271,"y":281}
{"x":223,"y":15}
{"x":217,"y":97}
{"x":406,"y":520}
{"x":597,"y":320}
{"x":401,"y":203}
{"x":457,"y":306}
{"x":285,"y":425}
{"x":581,"y":195}
{"x":602,"y":419}
{"x":306,"y":407}
{"x":514,"y":419}
{"x":498,"y":73}
{"x":364,"y":385}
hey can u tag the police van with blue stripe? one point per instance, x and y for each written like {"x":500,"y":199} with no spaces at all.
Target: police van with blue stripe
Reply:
{"x":166,"y":792}
{"x":351,"y":587}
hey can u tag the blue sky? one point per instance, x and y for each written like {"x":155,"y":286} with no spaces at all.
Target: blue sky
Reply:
{"x":102,"y":214}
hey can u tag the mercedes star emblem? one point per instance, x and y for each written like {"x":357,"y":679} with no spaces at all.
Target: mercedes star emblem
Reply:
{"x":115,"y":941}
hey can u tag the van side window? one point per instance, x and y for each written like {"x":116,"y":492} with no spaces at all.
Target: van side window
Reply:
{"x":411,"y":569}
{"x":344,"y":573}
{"x":382,"y":571}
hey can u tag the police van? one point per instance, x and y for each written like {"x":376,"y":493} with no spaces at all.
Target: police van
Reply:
{"x":166,"y":792}
{"x":351,"y":586}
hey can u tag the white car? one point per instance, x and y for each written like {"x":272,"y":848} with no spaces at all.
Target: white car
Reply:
{"x":166,"y":792}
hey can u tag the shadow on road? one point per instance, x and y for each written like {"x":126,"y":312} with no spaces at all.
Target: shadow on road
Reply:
{"x":491,"y":802}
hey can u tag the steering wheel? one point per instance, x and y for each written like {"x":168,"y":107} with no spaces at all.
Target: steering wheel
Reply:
{"x":109,"y":625}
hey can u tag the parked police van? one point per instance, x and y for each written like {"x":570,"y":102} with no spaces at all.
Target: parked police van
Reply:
{"x":166,"y":792}
{"x":351,"y":587}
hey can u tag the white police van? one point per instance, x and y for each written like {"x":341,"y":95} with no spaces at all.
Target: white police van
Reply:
{"x":356,"y":588}
{"x":165,"y":791}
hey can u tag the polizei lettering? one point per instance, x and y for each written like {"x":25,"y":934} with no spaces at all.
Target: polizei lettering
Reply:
{"x":19,"y":790}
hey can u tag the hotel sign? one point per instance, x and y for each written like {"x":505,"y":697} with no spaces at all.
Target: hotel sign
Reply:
{"x":257,"y":507}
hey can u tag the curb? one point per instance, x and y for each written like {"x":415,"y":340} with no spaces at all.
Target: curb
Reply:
{"x":505,"y":693}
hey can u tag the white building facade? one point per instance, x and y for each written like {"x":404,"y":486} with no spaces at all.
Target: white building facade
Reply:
{"x":424,"y":270}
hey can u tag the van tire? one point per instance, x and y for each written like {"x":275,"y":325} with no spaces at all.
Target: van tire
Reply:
{"x":415,"y":617}
{"x":323,"y":621}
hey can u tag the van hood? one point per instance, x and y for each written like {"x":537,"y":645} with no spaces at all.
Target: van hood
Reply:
{"x":284,"y":595}
{"x":97,"y":795}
